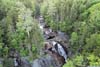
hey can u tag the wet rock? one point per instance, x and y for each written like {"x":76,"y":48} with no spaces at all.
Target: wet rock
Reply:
{"x":25,"y":63}
{"x":47,"y":61}
{"x":1,"y":60}
{"x":41,"y":19}
{"x":21,"y":62}
{"x":62,"y":38}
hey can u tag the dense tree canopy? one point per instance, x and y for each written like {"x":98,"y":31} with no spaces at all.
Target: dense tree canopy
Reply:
{"x":17,"y":28}
{"x":79,"y":19}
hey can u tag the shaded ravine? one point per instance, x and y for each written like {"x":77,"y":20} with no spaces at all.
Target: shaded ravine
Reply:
{"x":52,"y":37}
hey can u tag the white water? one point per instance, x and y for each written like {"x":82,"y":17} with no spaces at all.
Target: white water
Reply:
{"x":15,"y":62}
{"x":61,"y":50}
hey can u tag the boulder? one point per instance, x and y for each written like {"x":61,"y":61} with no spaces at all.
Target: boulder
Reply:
{"x":47,"y":61}
{"x":25,"y":63}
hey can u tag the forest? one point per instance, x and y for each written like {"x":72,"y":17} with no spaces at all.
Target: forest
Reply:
{"x":24,"y":43}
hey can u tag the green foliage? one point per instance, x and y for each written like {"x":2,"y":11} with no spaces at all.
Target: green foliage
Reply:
{"x":80,"y":61}
{"x":17,"y":26}
{"x":69,"y":64}
{"x":94,"y":60}
{"x":93,"y":44}
{"x":75,"y":62}
{"x":29,"y":4}
{"x":78,"y":18}
{"x":1,"y":65}
{"x":74,"y":41}
{"x":92,"y":15}
{"x":64,"y":11}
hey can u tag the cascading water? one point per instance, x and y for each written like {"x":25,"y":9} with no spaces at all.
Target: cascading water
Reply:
{"x":59,"y":49}
{"x":49,"y":61}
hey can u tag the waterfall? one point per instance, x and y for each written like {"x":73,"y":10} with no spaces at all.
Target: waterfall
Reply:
{"x":58,"y":53}
{"x":59,"y":49}
{"x":15,"y":62}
